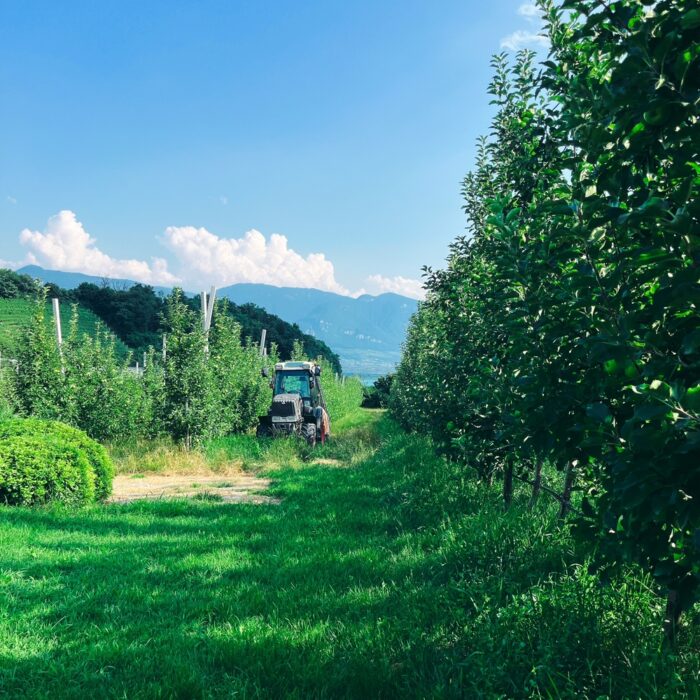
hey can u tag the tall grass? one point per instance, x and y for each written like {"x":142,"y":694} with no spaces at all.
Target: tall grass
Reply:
{"x":400,"y":576}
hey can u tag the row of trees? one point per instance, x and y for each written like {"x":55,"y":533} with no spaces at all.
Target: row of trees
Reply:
{"x":564,"y":328}
{"x":135,"y":314}
{"x":200,"y":386}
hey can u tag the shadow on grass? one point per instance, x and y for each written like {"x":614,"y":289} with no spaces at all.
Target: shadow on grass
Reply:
{"x":195,"y":599}
{"x":393,"y":578}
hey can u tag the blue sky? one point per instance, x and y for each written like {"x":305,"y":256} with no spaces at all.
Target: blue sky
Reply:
{"x":150,"y":137}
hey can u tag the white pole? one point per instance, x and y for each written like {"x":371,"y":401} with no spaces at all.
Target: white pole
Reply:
{"x":57,"y":320}
{"x":165,"y":347}
{"x":263,"y":338}
{"x":203,"y":297}
{"x":210,"y":308}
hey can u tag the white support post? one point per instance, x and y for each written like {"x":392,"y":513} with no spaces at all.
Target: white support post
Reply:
{"x":263,"y":338}
{"x":210,"y":309}
{"x":59,"y":335}
{"x":57,"y":321}
{"x":203,"y":298}
{"x":165,"y":347}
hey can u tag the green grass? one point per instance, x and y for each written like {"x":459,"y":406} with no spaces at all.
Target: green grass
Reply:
{"x":16,"y":314}
{"x":396,"y":577}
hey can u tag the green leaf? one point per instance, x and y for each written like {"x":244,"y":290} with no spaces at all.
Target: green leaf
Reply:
{"x":691,"y":342}
{"x":649,"y":412}
{"x":691,"y":19}
{"x":692,"y":399}
{"x":599,"y":412}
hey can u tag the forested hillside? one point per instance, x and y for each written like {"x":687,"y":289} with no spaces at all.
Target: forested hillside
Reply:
{"x":564,"y":332}
{"x":135,"y":313}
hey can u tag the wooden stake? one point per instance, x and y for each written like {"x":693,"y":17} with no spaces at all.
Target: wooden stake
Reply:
{"x":569,"y":477}
{"x":672,"y":616}
{"x":536,"y":484}
{"x":508,"y":484}
{"x":263,"y":337}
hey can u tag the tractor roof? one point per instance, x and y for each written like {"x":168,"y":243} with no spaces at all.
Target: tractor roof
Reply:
{"x":281,"y":366}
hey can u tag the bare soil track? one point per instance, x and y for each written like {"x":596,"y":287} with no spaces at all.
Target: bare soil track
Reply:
{"x":238,"y":488}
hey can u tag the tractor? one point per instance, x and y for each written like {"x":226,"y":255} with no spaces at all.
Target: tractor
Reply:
{"x":298,"y":407}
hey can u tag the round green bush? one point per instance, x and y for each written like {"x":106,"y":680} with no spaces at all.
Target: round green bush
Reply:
{"x":43,"y":460}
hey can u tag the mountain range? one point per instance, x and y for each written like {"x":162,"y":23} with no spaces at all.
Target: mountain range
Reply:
{"x":367,"y":331}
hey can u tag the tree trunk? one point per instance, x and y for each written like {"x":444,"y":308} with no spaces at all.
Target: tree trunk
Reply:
{"x":569,"y":477}
{"x":508,"y":484}
{"x":672,"y":616}
{"x":537,"y":483}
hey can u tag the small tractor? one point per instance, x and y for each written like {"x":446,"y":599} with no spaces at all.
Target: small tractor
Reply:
{"x":298,"y":407}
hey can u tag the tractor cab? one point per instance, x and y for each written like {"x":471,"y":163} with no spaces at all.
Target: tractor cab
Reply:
{"x":298,"y":406}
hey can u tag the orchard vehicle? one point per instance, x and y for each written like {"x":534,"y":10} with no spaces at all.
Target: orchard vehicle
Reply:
{"x":298,"y":406}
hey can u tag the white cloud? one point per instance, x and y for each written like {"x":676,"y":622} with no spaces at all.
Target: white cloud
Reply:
{"x":203,"y":259}
{"x":10,"y":199}
{"x":66,"y":245}
{"x":223,"y":199}
{"x":378,"y":284}
{"x":522,"y":38}
{"x":532,"y":36}
{"x":530,"y":11}
{"x":210,"y":259}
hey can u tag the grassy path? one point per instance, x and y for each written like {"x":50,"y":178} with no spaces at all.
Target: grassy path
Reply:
{"x":363,"y":582}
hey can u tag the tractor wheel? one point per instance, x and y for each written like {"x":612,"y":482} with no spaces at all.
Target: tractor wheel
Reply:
{"x":263,"y":430}
{"x":308,"y":432}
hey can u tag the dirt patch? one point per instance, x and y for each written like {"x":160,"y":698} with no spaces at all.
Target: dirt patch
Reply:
{"x":239,"y":488}
{"x":327,"y":462}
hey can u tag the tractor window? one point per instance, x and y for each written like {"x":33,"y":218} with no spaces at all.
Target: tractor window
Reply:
{"x":293,"y":383}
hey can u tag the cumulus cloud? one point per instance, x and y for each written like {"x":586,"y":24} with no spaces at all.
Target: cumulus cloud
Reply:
{"x":530,"y":11}
{"x":202,"y":258}
{"x":531,"y":37}
{"x":378,"y":284}
{"x":523,"y":38}
{"x":211,"y":259}
{"x":66,"y":245}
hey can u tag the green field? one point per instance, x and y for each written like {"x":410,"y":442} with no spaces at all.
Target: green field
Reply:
{"x":16,"y":314}
{"x":383,"y":572}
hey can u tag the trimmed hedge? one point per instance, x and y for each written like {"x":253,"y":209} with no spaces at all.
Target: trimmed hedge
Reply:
{"x":43,"y":460}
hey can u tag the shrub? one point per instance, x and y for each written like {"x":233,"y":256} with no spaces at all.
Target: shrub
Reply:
{"x":50,"y":435}
{"x":8,"y":398}
{"x":36,"y":469}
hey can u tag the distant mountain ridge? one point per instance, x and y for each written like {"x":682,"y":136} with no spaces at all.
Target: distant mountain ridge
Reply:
{"x":367,"y":331}
{"x":71,"y":280}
